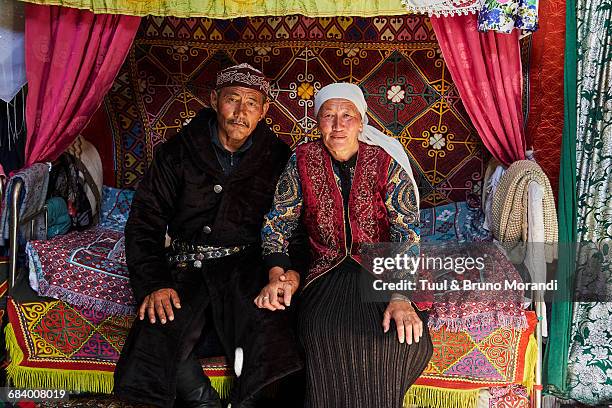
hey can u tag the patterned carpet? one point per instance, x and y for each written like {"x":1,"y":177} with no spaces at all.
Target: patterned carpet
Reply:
{"x":85,"y":268}
{"x":480,"y":357}
{"x":511,"y":401}
{"x":92,"y":401}
{"x":170,"y":69}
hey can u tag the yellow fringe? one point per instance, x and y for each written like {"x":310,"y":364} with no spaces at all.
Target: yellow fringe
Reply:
{"x":223,"y":385}
{"x":71,"y":380}
{"x":422,"y":396}
{"x":531,"y":358}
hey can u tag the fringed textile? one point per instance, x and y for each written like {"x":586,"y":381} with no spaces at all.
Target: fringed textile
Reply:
{"x":63,"y":379}
{"x":423,"y":396}
{"x":478,"y":358}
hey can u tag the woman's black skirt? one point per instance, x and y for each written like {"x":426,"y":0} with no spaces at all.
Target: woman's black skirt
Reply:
{"x":350,"y":362}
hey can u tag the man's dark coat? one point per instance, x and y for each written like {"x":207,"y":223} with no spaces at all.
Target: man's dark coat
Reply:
{"x":179,"y":192}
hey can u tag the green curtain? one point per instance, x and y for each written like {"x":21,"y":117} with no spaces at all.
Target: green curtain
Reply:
{"x":589,"y":372}
{"x":555,"y":358}
{"x":579,"y":357}
{"x":578,"y":360}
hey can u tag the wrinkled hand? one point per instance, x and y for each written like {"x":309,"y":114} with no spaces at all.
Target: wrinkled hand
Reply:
{"x":160,"y":302}
{"x":277,"y":294}
{"x":409,"y":325}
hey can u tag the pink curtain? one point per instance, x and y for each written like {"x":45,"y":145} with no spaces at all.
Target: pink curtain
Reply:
{"x":486,"y":67}
{"x":72,"y":58}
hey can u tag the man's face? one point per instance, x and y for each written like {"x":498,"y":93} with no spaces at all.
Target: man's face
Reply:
{"x":340,"y":124}
{"x":238,"y":111}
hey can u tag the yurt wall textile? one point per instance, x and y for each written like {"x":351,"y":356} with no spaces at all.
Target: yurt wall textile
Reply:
{"x":169,"y":72}
{"x":555,"y":359}
{"x":545,"y":119}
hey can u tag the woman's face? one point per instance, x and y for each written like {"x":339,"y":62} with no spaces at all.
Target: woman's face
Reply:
{"x":340,"y":124}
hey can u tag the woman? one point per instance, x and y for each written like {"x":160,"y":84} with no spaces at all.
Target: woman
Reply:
{"x":352,"y":186}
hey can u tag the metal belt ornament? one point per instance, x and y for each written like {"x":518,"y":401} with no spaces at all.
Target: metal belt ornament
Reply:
{"x":199,"y":253}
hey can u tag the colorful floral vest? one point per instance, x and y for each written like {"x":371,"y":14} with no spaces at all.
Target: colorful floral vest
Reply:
{"x":323,"y":212}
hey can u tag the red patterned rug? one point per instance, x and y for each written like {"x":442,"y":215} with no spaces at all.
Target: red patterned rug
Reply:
{"x":170,"y":70}
{"x":84,"y":268}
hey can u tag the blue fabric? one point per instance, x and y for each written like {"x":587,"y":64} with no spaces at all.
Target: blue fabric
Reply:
{"x":456,"y":222}
{"x":58,"y":219}
{"x":115,"y":208}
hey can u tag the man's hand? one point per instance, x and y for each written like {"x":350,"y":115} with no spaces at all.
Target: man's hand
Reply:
{"x":160,"y":302}
{"x":277,"y":294}
{"x":409,"y":325}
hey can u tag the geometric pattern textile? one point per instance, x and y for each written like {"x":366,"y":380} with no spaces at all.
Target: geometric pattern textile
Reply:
{"x":486,"y":356}
{"x":84,"y":268}
{"x":60,"y":338}
{"x":513,"y":396}
{"x":170,"y":70}
{"x":55,"y":335}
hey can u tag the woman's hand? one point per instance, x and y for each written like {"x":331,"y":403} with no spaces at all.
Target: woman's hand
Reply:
{"x":409,"y":325}
{"x":277,"y":294}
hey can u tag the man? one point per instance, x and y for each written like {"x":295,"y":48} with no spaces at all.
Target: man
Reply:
{"x":208,"y":188}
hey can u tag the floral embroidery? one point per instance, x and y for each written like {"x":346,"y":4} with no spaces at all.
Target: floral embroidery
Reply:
{"x":305,"y":90}
{"x":437,"y":141}
{"x":396,"y":94}
{"x":444,"y":215}
{"x":506,"y":15}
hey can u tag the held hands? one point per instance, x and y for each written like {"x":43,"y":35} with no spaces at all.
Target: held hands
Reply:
{"x":277,"y":294}
{"x":409,"y":325}
{"x":160,"y":302}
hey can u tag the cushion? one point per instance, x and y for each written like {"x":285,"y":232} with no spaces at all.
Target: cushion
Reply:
{"x":458,"y":222}
{"x":115,"y":208}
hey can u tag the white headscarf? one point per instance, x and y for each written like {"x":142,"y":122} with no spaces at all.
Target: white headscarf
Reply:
{"x":370,"y":135}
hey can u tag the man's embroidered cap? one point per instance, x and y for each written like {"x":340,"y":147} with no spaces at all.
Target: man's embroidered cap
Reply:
{"x":243,"y":75}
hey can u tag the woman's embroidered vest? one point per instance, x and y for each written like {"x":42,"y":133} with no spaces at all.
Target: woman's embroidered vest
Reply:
{"x":324,"y":211}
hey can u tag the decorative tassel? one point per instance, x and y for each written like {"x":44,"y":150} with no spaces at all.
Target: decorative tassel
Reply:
{"x":422,"y":396}
{"x":223,"y":385}
{"x":531,"y":358}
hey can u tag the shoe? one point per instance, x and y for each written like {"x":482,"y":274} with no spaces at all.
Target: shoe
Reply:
{"x":193,"y":388}
{"x":204,"y":396}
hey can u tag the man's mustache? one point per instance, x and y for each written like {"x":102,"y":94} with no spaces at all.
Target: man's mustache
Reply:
{"x":239,"y":122}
